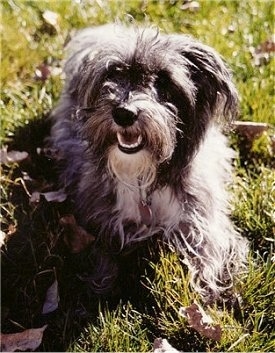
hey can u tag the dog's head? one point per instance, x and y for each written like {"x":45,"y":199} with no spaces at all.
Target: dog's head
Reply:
{"x":144,"y":100}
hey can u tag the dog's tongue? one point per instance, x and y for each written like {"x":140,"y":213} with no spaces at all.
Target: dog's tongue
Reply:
{"x":128,"y":139}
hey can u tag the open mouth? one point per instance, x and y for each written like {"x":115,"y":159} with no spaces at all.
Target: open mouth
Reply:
{"x":129,"y":143}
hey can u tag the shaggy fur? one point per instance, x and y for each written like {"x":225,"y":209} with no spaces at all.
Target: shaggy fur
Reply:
{"x":142,"y":153}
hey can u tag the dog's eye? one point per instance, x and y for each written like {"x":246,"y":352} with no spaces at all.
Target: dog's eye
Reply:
{"x":162,"y":84}
{"x":115,"y":74}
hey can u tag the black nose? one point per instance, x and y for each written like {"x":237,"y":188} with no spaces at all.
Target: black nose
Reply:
{"x":124,"y":117}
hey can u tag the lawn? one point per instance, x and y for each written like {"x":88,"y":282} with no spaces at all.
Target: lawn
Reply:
{"x":33,"y":253}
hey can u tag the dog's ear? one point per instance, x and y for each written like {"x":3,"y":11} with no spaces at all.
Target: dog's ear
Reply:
{"x":216,"y":94}
{"x":214,"y":98}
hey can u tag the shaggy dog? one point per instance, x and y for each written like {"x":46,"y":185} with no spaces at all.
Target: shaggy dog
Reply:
{"x":137,"y":128}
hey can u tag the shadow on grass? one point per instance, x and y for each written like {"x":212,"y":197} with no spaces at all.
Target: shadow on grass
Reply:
{"x":35,"y":255}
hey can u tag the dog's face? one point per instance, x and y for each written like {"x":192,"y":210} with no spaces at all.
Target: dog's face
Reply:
{"x":144,"y":101}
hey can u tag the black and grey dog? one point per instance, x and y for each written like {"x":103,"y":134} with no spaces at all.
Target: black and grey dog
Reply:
{"x":142,"y":152}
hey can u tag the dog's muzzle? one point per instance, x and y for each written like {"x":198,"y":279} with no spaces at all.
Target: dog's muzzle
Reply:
{"x":124,"y":117}
{"x":129,"y":141}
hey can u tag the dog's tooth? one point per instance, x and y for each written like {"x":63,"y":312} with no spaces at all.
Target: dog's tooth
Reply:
{"x":123,"y":144}
{"x":119,"y":138}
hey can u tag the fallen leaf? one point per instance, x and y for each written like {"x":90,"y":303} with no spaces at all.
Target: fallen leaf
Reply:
{"x":11,"y":229}
{"x":75,"y":237}
{"x":2,"y":237}
{"x":55,"y":196}
{"x":51,"y":20}
{"x":27,"y":340}
{"x":191,"y":6}
{"x":52,"y":299}
{"x":250,"y":129}
{"x":12,"y":156}
{"x":50,"y":17}
{"x":273,"y":143}
{"x":42,"y":72}
{"x":201,"y":322}
{"x":231,"y":28}
{"x":162,"y":346}
{"x":262,"y":54}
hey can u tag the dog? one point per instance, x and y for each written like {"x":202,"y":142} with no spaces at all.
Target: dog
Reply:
{"x":139,"y":132}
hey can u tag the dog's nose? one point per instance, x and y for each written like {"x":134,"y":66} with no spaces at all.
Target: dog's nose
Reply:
{"x":124,"y":117}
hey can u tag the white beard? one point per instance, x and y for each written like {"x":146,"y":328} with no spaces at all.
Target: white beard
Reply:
{"x":137,"y":169}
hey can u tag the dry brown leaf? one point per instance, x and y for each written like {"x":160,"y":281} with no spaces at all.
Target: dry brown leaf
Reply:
{"x":27,"y":340}
{"x":42,"y":72}
{"x":76,"y":238}
{"x":201,"y":322}
{"x":262,"y":54}
{"x":55,"y":196}
{"x":50,"y":196}
{"x":250,"y":129}
{"x":191,"y":6}
{"x":2,"y":237}
{"x":50,"y":17}
{"x":52,"y":299}
{"x":51,"y":21}
{"x":11,"y":229}
{"x":268,"y":46}
{"x":12,"y":156}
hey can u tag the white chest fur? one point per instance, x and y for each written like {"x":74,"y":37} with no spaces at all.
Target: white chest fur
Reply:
{"x":164,"y":206}
{"x":128,"y":198}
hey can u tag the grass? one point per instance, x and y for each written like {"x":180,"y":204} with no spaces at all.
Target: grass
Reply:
{"x":33,"y":254}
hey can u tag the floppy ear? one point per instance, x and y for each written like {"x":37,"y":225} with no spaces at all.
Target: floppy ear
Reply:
{"x":215,"y":97}
{"x":216,"y":94}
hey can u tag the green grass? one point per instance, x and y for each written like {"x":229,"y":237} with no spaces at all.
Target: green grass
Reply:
{"x":33,"y":254}
{"x":115,"y":330}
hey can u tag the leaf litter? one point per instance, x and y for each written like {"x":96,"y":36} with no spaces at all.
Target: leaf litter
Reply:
{"x":27,"y":340}
{"x":7,"y":157}
{"x":52,"y":299}
{"x":75,"y":237}
{"x":201,"y":322}
{"x":262,"y":53}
